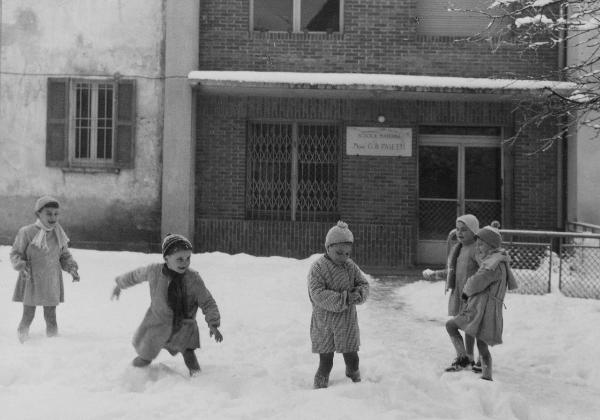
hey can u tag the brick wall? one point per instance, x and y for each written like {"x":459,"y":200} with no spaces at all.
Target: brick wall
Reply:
{"x":379,"y":37}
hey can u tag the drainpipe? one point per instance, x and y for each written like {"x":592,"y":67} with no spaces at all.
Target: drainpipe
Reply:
{"x":562,"y":147}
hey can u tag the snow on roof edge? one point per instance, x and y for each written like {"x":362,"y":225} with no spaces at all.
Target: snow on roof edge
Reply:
{"x":366,"y":80}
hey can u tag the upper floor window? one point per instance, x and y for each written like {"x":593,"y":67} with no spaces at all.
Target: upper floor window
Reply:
{"x":296,"y":15}
{"x":456,"y":18}
{"x":90,"y":123}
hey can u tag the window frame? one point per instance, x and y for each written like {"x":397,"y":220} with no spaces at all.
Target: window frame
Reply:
{"x":292,"y":215}
{"x":60,"y":125}
{"x":296,"y":19}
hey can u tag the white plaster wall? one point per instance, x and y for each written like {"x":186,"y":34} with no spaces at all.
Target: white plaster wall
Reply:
{"x":79,"y":38}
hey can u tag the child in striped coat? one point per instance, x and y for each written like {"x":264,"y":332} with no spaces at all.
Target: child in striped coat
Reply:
{"x":335,"y":286}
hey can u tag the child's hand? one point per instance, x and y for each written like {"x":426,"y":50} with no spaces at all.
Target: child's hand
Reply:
{"x":26,"y":273}
{"x":428,"y":274}
{"x":115,"y":293}
{"x":218,"y":336}
{"x":355,"y":296}
{"x":75,"y":275}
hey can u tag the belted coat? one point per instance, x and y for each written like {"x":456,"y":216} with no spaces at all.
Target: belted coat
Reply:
{"x":156,"y":330}
{"x":334,"y":322}
{"x":45,"y":286}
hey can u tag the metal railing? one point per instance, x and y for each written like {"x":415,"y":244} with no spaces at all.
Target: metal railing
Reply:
{"x":549,"y":262}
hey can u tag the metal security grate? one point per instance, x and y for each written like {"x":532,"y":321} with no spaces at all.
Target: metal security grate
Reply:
{"x":486,"y":210}
{"x":435,"y":215}
{"x":292,"y":171}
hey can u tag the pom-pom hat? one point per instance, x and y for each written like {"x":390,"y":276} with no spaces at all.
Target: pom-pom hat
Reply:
{"x":490,"y":236}
{"x":339,"y":234}
{"x":174,"y":241}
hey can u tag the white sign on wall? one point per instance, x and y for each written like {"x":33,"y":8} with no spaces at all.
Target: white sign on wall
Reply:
{"x":379,"y":141}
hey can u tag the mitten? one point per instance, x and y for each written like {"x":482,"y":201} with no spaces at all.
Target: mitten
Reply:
{"x":428,"y":274}
{"x":464,"y":296}
{"x":215,"y":331}
{"x":355,"y":296}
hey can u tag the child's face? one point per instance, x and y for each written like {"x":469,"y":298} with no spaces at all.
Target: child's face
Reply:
{"x":482,"y":248}
{"x":464,"y":235}
{"x":179,"y":261}
{"x":48,"y":216}
{"x":339,"y":253}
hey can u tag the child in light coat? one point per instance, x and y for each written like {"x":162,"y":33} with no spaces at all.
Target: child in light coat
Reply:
{"x":176,"y":293}
{"x":39,"y":253}
{"x":484,"y":293}
{"x":462,"y":263}
{"x":335,"y":286}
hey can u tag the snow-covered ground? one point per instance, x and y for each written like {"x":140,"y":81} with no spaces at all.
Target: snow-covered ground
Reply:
{"x":547,"y":368}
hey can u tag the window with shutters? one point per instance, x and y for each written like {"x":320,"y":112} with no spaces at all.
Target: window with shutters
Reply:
{"x":455,"y":18}
{"x":292,"y":171}
{"x":90,"y":123}
{"x":296,"y":15}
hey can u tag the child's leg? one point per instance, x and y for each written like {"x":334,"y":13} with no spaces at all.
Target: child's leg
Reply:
{"x":486,"y":360}
{"x":352,"y":370}
{"x":189,"y":357}
{"x":325,"y":366}
{"x":461,"y":361}
{"x":50,"y":317}
{"x":26,"y":320}
{"x":470,"y":346}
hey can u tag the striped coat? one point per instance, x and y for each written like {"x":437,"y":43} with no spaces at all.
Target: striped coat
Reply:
{"x":155,"y":331}
{"x":334,"y":323}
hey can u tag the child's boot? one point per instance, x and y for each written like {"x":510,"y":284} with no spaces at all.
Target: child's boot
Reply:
{"x":321,"y":381}
{"x":461,"y":361}
{"x":486,"y":368}
{"x":354,"y":375}
{"x":189,"y":357}
{"x":140,"y":362}
{"x":22,"y":334}
{"x":50,"y":317}
{"x":26,"y":320}
{"x":476,"y":366}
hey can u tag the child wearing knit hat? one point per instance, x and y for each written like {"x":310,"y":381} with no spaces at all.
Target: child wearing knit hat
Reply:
{"x":39,"y":253}
{"x":176,"y":293}
{"x":461,"y":264}
{"x":335,"y":286}
{"x":484,"y":294}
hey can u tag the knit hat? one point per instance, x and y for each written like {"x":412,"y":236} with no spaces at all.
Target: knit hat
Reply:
{"x":338,"y":234}
{"x":44,"y":201}
{"x":470,"y":221}
{"x":490,"y":236}
{"x":174,"y":241}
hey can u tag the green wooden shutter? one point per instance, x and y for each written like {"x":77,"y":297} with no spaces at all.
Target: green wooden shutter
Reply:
{"x":125,"y":127}
{"x":57,"y":122}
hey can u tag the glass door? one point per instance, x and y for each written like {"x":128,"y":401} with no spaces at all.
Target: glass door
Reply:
{"x":457,"y":175}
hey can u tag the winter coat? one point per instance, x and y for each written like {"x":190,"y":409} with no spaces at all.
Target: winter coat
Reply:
{"x":45,"y":287}
{"x":156,"y":330}
{"x":334,"y":322}
{"x":466,"y":256}
{"x":482,"y":315}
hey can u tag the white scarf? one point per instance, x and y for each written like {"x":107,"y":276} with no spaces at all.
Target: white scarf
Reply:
{"x":39,"y":240}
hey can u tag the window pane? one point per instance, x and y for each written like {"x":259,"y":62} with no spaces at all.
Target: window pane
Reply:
{"x":269,"y":171}
{"x":320,"y":15}
{"x":83,"y":120}
{"x":482,"y":173}
{"x":273,"y":15}
{"x":438,"y":168}
{"x":104,"y":122}
{"x":318,"y":155}
{"x":452,"y":18}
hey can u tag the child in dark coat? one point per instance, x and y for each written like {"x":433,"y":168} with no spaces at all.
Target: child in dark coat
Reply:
{"x":176,"y":293}
{"x":335,"y":286}
{"x":39,"y":253}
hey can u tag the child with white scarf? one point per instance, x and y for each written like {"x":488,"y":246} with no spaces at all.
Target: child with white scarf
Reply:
{"x":40,"y":252}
